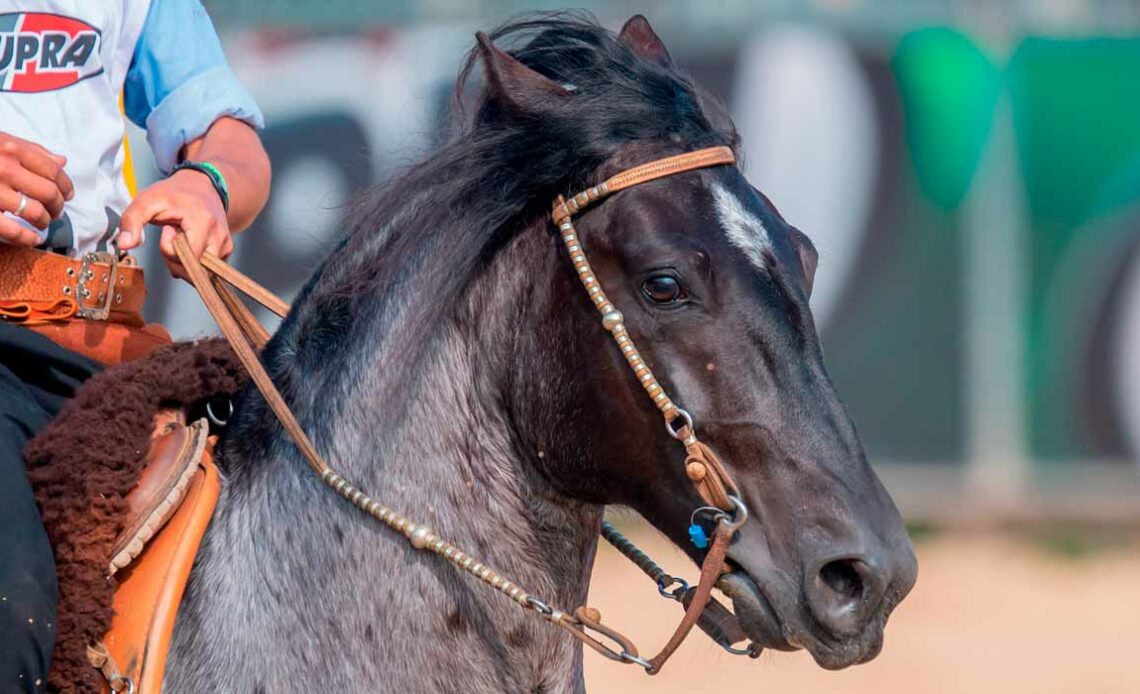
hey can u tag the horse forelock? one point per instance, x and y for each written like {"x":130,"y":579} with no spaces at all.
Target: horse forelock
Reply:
{"x":446,"y":217}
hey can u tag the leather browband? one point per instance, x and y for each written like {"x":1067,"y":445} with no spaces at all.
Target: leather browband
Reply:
{"x":661,"y":168}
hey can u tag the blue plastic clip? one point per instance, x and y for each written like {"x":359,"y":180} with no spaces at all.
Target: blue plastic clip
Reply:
{"x":698,"y":537}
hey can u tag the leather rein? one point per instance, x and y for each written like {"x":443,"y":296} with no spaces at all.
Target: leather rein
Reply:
{"x":215,"y":282}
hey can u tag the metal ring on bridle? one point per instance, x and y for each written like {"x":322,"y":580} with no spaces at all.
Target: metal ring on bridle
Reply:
{"x":739,"y":513}
{"x":677,"y":432}
{"x":751,"y":650}
{"x":665,"y":582}
{"x":539,"y":606}
{"x":213,"y":416}
{"x":125,"y":685}
{"x":631,"y":658}
{"x":715,"y":514}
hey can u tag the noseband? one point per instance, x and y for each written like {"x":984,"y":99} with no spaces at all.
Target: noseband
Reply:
{"x":213,"y":280}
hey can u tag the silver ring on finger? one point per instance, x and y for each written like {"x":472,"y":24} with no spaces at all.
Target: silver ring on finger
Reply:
{"x":22,"y":206}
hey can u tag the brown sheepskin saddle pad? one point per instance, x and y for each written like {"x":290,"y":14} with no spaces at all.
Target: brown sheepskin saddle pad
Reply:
{"x":126,"y":484}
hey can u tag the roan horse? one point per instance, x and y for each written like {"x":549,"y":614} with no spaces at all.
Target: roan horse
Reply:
{"x":444,"y":357}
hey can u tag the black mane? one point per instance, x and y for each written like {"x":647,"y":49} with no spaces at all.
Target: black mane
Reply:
{"x":416,"y":242}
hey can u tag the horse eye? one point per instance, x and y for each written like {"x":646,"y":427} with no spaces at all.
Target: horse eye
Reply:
{"x":663,"y":289}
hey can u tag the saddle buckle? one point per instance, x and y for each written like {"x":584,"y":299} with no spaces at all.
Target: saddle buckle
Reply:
{"x":86,"y":287}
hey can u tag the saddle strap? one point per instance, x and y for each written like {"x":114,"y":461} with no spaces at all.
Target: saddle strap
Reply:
{"x":237,"y":326}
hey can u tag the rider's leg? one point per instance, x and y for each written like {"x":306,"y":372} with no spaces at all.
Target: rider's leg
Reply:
{"x":36,"y":379}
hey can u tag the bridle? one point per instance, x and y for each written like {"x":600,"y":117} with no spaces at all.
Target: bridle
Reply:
{"x":215,"y":281}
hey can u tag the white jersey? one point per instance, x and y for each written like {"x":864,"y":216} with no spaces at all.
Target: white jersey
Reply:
{"x":62,"y":69}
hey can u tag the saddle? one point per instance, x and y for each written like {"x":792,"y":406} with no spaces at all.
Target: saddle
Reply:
{"x":168,"y":511}
{"x":126,"y":484}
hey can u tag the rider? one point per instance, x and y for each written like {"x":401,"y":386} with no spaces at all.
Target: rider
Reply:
{"x":69,"y":298}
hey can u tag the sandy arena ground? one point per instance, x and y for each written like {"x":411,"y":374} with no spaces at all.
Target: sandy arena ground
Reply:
{"x":989,"y":614}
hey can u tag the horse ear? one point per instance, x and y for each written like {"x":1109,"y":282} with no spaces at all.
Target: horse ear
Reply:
{"x":514,"y":83}
{"x":639,"y":36}
{"x":809,"y":257}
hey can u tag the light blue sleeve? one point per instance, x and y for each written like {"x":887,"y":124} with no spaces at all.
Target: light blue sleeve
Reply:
{"x":179,"y":82}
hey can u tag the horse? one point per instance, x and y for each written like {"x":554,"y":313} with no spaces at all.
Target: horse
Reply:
{"x":444,"y":358}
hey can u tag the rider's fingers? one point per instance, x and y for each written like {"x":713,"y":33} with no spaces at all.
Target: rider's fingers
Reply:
{"x":61,"y":179}
{"x":198,"y":228}
{"x":219,"y":241}
{"x":42,"y":163}
{"x":33,"y":211}
{"x":177,"y":215}
{"x":40,"y":150}
{"x":126,"y":240}
{"x":194,"y":227}
{"x":176,"y":269}
{"x":14,"y":233}
{"x":65,"y":184}
{"x":227,"y":247}
{"x":41,"y":189}
{"x":148,"y":207}
{"x":166,"y":245}
{"x":138,"y":214}
{"x":15,"y":175}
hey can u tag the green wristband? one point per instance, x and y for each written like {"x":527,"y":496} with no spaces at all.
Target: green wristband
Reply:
{"x":210,"y":171}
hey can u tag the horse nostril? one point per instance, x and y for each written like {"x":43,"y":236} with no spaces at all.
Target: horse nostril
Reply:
{"x":843,"y":580}
{"x":843,"y":593}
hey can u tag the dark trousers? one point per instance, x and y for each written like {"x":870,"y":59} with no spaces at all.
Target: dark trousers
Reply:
{"x":36,"y":378}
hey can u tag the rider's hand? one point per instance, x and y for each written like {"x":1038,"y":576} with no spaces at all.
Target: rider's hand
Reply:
{"x":187,"y":201}
{"x":28,"y":169}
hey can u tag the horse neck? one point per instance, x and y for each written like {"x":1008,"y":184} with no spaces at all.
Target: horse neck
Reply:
{"x":454,"y":464}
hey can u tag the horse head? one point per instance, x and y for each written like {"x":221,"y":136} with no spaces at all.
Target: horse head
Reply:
{"x":714,"y":285}
{"x":446,"y":358}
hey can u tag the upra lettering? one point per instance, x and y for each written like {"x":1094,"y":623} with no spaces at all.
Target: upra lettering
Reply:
{"x":48,"y":50}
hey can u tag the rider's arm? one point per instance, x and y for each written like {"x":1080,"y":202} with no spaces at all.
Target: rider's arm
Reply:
{"x":182,"y":91}
{"x":234,"y":148}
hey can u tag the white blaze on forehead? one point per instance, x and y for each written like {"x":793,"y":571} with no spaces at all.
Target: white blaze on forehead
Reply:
{"x":745,"y":231}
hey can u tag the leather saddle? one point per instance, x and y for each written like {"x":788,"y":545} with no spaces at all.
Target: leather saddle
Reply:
{"x":168,"y":511}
